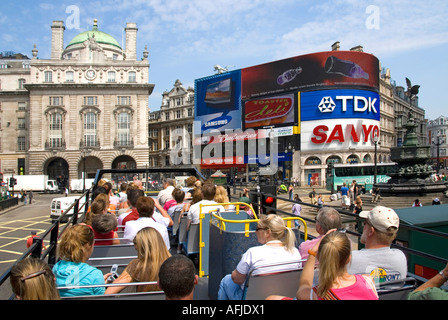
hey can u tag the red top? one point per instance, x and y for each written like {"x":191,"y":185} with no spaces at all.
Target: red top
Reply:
{"x":109,"y":235}
{"x":133,"y":215}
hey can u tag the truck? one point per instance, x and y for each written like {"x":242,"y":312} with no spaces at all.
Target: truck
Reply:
{"x":76,"y":185}
{"x":39,"y":183}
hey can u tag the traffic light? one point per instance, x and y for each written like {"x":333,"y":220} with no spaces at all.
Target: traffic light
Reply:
{"x":268,"y":199}
{"x":12,"y":182}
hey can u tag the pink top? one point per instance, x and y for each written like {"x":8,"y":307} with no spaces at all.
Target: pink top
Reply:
{"x":360,"y":290}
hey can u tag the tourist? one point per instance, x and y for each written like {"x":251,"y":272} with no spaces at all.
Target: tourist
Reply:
{"x":335,"y":283}
{"x":177,"y":278}
{"x":32,"y":279}
{"x":151,"y":253}
{"x":430,"y":290}
{"x":277,"y":248}
{"x":378,"y":258}
{"x":417,"y":203}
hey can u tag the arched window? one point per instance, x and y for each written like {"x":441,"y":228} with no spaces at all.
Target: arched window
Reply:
{"x":312,"y":161}
{"x":132,"y":76}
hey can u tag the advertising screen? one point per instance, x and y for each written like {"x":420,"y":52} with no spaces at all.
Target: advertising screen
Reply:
{"x":310,"y":72}
{"x":218,"y":102}
{"x":339,"y":104}
{"x":338,"y":134}
{"x":276,"y":111}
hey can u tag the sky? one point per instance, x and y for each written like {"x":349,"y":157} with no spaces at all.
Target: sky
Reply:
{"x":186,"y":39}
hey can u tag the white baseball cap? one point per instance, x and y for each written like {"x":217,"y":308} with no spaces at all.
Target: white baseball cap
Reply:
{"x":381,"y":218}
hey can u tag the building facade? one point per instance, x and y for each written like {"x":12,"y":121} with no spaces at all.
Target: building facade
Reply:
{"x":436,"y":134}
{"x":14,"y":112}
{"x":86,"y":106}
{"x":171,"y":128}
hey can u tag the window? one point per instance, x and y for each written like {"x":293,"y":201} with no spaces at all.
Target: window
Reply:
{"x":90,"y":129}
{"x":124,"y":126}
{"x":111,"y":76}
{"x":69,"y":76}
{"x":124,"y":100}
{"x":90,"y":101}
{"x":22,"y":83}
{"x":21,"y":123}
{"x":132,"y":76}
{"x":48,"y":76}
{"x":21,"y":143}
{"x":56,"y":101}
{"x":178,"y":114}
{"x":55,"y":130}
{"x":115,"y":57}
{"x":22,"y":106}
{"x":167,"y":116}
{"x":190,"y":112}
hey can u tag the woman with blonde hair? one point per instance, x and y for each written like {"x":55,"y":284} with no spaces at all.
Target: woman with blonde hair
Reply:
{"x":334,"y":253}
{"x":75,"y":248}
{"x":278,"y":249}
{"x":32,"y":279}
{"x":222,"y":197}
{"x":151,"y":253}
{"x":99,"y":206}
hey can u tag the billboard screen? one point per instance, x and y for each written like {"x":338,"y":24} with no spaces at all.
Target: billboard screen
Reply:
{"x":310,"y":72}
{"x":339,"y":104}
{"x":338,"y":134}
{"x":218,"y":102}
{"x":276,"y":111}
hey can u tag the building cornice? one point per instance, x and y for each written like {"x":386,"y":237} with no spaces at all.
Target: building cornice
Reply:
{"x":147,"y":87}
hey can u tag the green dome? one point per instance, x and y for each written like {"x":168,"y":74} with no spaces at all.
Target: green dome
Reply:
{"x":100,"y":37}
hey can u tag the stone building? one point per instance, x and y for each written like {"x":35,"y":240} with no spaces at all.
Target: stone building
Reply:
{"x":171,"y":128}
{"x":14,"y":106}
{"x":86,"y":108}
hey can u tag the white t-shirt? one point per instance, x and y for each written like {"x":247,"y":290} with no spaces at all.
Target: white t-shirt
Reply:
{"x":263,"y":255}
{"x":134,"y":226}
{"x":193,"y":213}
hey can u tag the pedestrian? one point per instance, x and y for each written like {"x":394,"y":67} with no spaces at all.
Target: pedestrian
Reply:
{"x":24,"y":197}
{"x":30,"y":196}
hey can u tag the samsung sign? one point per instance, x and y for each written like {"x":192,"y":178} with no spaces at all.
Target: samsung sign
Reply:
{"x":339,"y":104}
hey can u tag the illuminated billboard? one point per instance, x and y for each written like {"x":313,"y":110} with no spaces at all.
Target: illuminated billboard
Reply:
{"x":311,"y":72}
{"x":339,"y":104}
{"x":218,"y":102}
{"x":271,"y":111}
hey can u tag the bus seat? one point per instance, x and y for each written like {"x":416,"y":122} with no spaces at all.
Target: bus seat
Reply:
{"x":397,"y":289}
{"x":192,"y":245}
{"x":283,"y":283}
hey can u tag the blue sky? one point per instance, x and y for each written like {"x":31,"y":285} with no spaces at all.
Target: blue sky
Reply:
{"x":186,"y":39}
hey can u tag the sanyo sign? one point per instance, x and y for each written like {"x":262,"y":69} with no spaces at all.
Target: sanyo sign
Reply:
{"x":339,"y":104}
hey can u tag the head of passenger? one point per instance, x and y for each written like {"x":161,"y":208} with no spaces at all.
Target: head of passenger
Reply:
{"x":134,"y":195}
{"x":208,"y":191}
{"x":145,"y":207}
{"x":177,"y":278}
{"x":32,"y":279}
{"x":327,"y":218}
{"x":272,"y":227}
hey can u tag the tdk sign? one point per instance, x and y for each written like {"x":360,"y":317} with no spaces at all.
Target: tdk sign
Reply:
{"x":339,"y":104}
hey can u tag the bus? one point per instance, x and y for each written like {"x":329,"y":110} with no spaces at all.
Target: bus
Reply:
{"x":363,"y":173}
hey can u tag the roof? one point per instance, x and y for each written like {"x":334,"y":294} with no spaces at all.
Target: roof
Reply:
{"x":425,"y":216}
{"x":100,"y":37}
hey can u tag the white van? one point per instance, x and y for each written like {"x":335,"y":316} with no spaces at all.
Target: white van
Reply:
{"x":60,"y":205}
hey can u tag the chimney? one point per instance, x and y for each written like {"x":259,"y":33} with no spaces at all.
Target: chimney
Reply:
{"x":335,"y":46}
{"x":131,"y":41}
{"x":57,"y":39}
{"x":357,"y":48}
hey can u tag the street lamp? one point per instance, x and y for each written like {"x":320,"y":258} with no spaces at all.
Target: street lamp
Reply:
{"x":439,"y":142}
{"x":84,"y":154}
{"x":375,"y":141}
{"x":290,"y":149}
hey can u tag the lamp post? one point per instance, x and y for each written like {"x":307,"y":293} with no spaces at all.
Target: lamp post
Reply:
{"x":439,"y":142}
{"x":375,"y":141}
{"x":290,"y":150}
{"x":84,"y":154}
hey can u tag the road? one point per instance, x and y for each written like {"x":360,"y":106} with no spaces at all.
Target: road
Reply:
{"x":15,"y":228}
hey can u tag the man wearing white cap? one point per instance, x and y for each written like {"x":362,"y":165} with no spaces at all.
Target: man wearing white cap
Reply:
{"x":377,"y":258}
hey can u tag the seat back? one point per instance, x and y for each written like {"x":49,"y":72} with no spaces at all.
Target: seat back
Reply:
{"x":283,"y":283}
{"x":120,"y":254}
{"x":192,"y":246}
{"x":176,"y":221}
{"x":150,"y":295}
{"x":397,"y":289}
